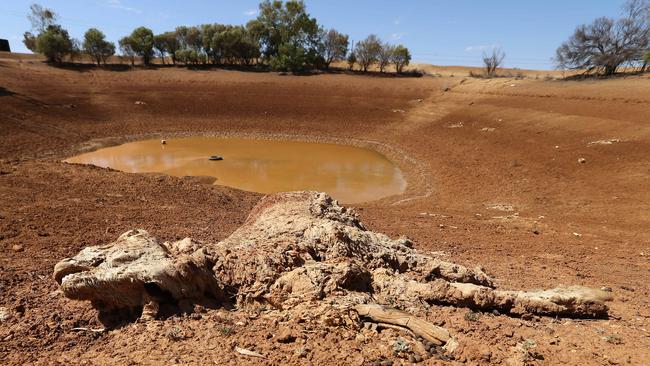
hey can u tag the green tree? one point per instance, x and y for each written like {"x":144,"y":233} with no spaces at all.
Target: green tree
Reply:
{"x":385,"y":56}
{"x":190,"y":38}
{"x":171,"y":44}
{"x":160,"y":46}
{"x":126,"y":48}
{"x":187,"y":56}
{"x":97,"y":47}
{"x":141,"y":42}
{"x":367,"y":51}
{"x":234,"y":44}
{"x":352,"y":58}
{"x":286,"y":27}
{"x":289,"y":58}
{"x":401,"y":58}
{"x":208,"y":33}
{"x":54,"y":43}
{"x":334,"y":46}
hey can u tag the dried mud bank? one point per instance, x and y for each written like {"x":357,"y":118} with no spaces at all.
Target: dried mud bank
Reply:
{"x":514,"y":149}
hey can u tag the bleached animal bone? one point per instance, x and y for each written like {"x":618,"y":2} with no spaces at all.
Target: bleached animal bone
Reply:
{"x":296,"y":247}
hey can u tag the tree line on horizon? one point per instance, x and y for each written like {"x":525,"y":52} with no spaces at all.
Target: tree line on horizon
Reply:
{"x":284,"y":37}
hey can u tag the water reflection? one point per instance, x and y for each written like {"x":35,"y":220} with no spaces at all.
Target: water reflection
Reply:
{"x":348,"y":173}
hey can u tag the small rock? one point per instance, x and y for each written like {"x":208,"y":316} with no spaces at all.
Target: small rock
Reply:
{"x":285,"y":335}
{"x":164,"y":142}
{"x":418,"y":358}
{"x":139,"y":102}
{"x":582,"y":160}
{"x":301,"y":352}
{"x":411,"y":359}
{"x":4,"y":314}
{"x":360,"y":338}
{"x":17,"y":248}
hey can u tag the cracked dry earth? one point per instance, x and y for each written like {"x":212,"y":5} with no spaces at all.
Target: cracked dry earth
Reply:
{"x":302,"y":255}
{"x":502,"y":189}
{"x":295,"y":250}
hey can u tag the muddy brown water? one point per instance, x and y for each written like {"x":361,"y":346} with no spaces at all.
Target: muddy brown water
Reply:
{"x":348,"y":173}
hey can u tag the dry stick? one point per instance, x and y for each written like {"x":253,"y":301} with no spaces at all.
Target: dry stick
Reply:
{"x":100,"y":330}
{"x":246,"y":352}
{"x":419,"y":327}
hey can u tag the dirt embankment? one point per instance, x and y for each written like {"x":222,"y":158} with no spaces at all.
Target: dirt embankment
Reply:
{"x":497,"y":183}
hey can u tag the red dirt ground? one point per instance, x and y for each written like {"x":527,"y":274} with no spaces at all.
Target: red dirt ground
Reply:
{"x":479,"y":145}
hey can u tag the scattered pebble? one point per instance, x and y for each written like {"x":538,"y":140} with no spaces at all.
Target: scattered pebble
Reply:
{"x":4,"y":314}
{"x":582,"y":160}
{"x":17,"y":248}
{"x":605,"y":142}
{"x":139,"y":102}
{"x":411,"y":358}
{"x":500,"y":207}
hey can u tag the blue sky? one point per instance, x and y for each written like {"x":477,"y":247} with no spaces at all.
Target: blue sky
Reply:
{"x":442,"y":32}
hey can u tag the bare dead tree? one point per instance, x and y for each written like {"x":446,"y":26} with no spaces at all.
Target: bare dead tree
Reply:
{"x":493,"y":60}
{"x":607,"y":44}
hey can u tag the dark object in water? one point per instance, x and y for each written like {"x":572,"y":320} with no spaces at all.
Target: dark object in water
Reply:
{"x":215,"y":158}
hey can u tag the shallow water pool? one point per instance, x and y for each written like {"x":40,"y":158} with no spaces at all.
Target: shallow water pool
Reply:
{"x":350,"y":174}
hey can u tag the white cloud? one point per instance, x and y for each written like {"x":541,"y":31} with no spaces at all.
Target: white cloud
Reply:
{"x":397,"y":21}
{"x":397,"y":36}
{"x":251,"y":13}
{"x":117,"y":4}
{"x":481,"y":47}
